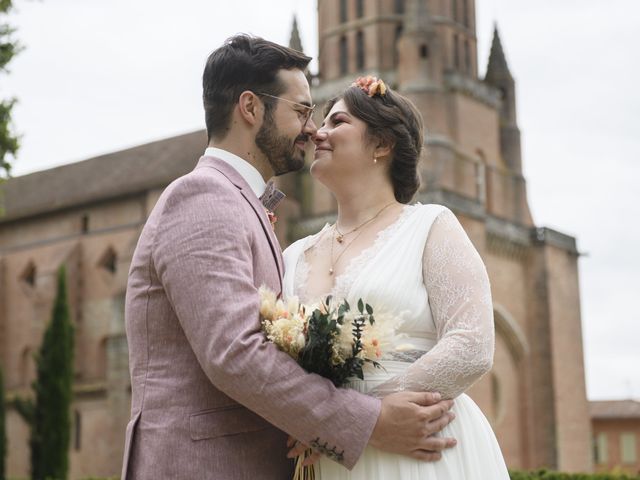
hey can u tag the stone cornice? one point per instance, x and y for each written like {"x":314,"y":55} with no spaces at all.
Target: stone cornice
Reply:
{"x":363,"y":22}
{"x":548,"y":236}
{"x":473,"y":87}
{"x":503,"y":237}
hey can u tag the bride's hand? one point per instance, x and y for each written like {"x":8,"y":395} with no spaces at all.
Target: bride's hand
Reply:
{"x":298,"y":449}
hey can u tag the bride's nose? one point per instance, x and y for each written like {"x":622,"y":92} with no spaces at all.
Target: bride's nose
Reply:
{"x":319,"y":136}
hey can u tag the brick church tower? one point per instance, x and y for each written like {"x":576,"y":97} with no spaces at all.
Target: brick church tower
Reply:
{"x":535,"y":395}
{"x":88,"y":216}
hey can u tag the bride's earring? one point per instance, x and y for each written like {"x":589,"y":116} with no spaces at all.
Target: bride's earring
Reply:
{"x":375,"y":159}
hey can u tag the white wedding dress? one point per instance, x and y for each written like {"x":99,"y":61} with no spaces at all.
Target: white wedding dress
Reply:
{"x":423,"y":267}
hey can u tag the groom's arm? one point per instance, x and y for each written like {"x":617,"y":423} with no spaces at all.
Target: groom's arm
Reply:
{"x":204,"y":258}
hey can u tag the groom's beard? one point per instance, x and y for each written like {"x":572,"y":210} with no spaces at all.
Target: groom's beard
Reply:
{"x":281,"y":151}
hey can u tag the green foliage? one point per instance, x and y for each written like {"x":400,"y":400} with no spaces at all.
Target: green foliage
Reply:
{"x":50,"y":416}
{"x":3,"y":434}
{"x":547,"y":475}
{"x":9,"y":142}
{"x":324,"y":328}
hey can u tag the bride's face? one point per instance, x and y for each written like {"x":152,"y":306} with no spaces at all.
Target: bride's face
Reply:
{"x":342,"y":150}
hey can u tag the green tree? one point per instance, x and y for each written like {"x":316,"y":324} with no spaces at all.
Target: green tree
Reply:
{"x":9,"y":143}
{"x":49,"y":414}
{"x":3,"y":434}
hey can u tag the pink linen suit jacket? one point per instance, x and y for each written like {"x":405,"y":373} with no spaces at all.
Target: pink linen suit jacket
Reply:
{"x":211,"y":399}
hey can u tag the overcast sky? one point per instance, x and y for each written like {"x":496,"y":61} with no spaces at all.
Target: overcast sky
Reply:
{"x":101,"y":75}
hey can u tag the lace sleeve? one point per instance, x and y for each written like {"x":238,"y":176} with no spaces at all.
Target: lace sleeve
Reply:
{"x":460,"y":301}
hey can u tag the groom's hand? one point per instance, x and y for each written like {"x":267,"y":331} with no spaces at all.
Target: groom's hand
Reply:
{"x":298,"y":448}
{"x":407,"y":423}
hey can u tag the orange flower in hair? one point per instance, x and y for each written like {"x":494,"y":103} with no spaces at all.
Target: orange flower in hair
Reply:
{"x":371,"y":85}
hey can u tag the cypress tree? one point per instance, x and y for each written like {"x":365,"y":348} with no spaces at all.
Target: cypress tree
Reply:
{"x":53,"y":388}
{"x":3,"y":434}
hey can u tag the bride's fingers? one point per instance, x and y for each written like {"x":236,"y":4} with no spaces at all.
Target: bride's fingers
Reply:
{"x":437,"y":444}
{"x":426,"y":455}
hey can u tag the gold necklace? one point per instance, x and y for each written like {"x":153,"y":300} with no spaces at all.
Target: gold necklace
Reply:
{"x":340,"y":237}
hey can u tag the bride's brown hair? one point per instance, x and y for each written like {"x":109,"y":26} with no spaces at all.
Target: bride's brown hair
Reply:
{"x":392,"y":120}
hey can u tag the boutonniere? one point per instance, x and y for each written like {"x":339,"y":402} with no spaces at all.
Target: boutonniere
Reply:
{"x":272,"y":218}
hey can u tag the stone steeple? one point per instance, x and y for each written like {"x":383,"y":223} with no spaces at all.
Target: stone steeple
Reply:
{"x":294,"y":41}
{"x":499,"y":76}
{"x":497,"y":69}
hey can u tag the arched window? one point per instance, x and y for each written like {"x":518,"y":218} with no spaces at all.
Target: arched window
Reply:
{"x":344,"y":58}
{"x":359,"y":8}
{"x":360,"y":50}
{"x":29,"y":274}
{"x":496,"y":398}
{"x":424,"y":51}
{"x":481,"y":177}
{"x":467,"y":56}
{"x":101,"y":363}
{"x":77,"y":430}
{"x":465,"y":13}
{"x":84,"y":223}
{"x":343,"y":11}
{"x":396,"y":55}
{"x":109,"y":260}
{"x":27,"y":367}
{"x":456,"y":52}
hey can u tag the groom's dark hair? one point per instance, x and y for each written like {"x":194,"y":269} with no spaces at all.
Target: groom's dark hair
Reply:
{"x":243,"y":63}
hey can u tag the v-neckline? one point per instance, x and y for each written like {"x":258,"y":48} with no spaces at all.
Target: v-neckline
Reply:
{"x":355,"y":264}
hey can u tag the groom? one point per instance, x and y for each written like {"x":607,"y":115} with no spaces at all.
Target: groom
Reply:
{"x":211,"y":399}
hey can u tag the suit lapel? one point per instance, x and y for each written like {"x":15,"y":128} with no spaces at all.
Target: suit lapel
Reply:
{"x":248,"y":194}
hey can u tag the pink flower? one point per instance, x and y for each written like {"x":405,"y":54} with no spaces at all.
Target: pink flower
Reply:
{"x":372,"y":86}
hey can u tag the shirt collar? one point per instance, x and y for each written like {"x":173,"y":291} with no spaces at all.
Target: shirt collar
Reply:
{"x":247,"y":171}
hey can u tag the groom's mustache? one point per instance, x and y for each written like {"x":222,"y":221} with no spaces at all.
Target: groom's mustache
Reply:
{"x":302,"y":138}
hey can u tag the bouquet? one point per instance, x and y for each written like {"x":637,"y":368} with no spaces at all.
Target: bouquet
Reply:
{"x":329,"y":339}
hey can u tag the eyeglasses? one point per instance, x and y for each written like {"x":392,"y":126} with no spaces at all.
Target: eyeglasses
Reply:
{"x":304,"y":115}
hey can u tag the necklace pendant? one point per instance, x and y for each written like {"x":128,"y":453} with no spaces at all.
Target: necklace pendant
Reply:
{"x":340,"y":238}
{"x":331,"y":271}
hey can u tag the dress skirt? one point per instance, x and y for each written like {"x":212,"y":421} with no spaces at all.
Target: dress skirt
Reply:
{"x":476,"y":456}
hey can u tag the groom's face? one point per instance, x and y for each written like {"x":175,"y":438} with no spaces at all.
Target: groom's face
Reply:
{"x":287,"y":127}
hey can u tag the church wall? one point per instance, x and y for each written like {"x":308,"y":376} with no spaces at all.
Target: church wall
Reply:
{"x":96,"y":299}
{"x":38,"y":230}
{"x":505,"y":415}
{"x":28,"y":306}
{"x":508,"y":276}
{"x":17,"y":445}
{"x":477,"y":128}
{"x":88,"y":453}
{"x":573,"y":426}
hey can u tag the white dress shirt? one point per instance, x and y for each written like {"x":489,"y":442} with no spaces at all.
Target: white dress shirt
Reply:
{"x":244,"y":168}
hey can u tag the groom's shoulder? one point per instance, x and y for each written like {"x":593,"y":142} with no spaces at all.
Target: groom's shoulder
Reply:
{"x":202,"y":180}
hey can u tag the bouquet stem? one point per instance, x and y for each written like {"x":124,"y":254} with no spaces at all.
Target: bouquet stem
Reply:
{"x":304,"y":472}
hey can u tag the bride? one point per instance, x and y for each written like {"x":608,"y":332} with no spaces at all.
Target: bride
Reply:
{"x":414,"y":260}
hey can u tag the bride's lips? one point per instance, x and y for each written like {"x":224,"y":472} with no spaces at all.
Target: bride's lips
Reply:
{"x":321,"y":149}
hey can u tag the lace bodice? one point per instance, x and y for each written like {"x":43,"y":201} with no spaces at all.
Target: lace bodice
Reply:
{"x":425,"y":268}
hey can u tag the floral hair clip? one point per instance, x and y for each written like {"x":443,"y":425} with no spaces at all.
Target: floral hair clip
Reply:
{"x":372,"y":86}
